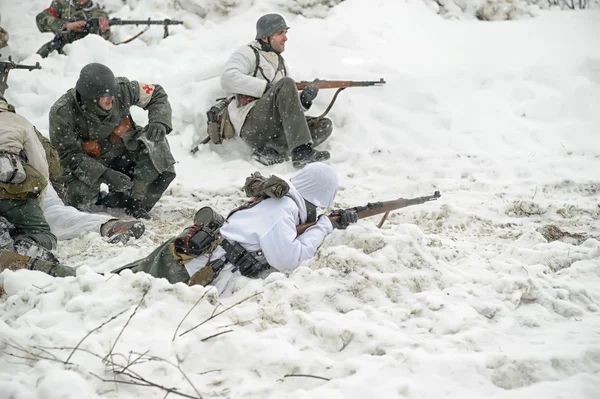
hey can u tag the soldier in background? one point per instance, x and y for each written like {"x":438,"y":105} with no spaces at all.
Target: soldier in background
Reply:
{"x":67,"y":20}
{"x":3,"y":36}
{"x":32,"y":216}
{"x":267,"y":112}
{"x":98,"y":142}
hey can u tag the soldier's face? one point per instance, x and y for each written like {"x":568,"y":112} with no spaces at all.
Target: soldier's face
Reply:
{"x":106,"y":103}
{"x":278,"y":40}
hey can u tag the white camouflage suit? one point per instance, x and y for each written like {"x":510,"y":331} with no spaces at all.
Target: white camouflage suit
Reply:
{"x":270,"y":226}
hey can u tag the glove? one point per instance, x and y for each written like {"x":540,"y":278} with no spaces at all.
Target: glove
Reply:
{"x":116,"y":181}
{"x":308,"y":94}
{"x":347,"y":216}
{"x":156,"y":131}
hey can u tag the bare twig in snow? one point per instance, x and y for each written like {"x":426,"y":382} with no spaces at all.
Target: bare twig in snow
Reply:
{"x":91,"y":331}
{"x":182,"y":373}
{"x":186,"y":315}
{"x":137,"y":359}
{"x":215,"y":335}
{"x":307,"y":376}
{"x":221,"y":312}
{"x":126,"y":324}
{"x":534,"y":193}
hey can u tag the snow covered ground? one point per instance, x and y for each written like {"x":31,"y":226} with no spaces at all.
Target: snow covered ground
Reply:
{"x":471,"y":296}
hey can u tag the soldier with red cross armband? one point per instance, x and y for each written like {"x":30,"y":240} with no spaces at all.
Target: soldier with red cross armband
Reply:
{"x":67,"y":20}
{"x":98,"y":142}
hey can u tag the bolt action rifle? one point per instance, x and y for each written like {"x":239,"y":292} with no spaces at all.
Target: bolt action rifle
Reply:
{"x":339,"y":85}
{"x":321,"y":84}
{"x":377,"y":208}
{"x":6,"y":66}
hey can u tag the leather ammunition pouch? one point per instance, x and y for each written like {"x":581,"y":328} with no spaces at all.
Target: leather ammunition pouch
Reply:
{"x":249,"y":264}
{"x":200,"y":238}
{"x":94,"y":147}
{"x":219,"y":126}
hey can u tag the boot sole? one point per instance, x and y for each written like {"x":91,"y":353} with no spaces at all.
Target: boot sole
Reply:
{"x":136,"y":230}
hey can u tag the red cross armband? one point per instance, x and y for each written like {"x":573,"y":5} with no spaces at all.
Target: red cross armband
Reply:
{"x":146,"y":92}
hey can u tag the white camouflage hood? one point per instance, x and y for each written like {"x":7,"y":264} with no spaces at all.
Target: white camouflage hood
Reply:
{"x":317,"y":183}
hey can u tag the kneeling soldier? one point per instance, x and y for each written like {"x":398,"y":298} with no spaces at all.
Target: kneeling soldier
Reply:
{"x":92,"y":129}
{"x":67,"y":20}
{"x":32,"y":216}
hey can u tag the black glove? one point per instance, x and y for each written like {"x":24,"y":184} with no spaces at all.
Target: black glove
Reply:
{"x":156,"y":131}
{"x":347,"y":216}
{"x":308,"y":94}
{"x":116,"y":181}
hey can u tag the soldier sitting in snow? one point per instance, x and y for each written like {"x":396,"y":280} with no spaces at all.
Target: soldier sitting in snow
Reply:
{"x":267,"y":112}
{"x":67,"y":20}
{"x":31,"y":214}
{"x":92,"y":129}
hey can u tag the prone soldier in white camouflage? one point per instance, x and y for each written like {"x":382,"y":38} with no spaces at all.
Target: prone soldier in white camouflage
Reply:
{"x":92,"y":129}
{"x":67,"y":20}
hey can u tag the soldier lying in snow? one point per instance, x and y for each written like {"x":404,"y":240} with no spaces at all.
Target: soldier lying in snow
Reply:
{"x":67,"y":20}
{"x":31,"y":214}
{"x":258,"y":236}
{"x":98,"y":142}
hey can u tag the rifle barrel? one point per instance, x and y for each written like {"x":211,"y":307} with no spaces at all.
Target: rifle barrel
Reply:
{"x":336,"y":84}
{"x":117,"y":21}
{"x":378,"y":208}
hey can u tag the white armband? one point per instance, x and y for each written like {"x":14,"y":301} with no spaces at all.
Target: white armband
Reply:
{"x":146,"y":92}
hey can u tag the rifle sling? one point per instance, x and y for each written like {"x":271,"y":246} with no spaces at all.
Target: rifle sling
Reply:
{"x":318,"y":118}
{"x":132,"y":38}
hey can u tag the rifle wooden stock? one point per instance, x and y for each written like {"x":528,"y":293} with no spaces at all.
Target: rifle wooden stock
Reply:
{"x":377,"y":208}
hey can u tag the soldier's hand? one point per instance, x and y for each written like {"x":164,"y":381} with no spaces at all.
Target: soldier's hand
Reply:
{"x":347,"y":217}
{"x":156,"y":131}
{"x":103,"y":24}
{"x":116,"y":181}
{"x":309,"y":93}
{"x":75,"y":26}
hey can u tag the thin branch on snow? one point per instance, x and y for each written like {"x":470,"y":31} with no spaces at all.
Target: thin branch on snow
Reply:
{"x":127,"y":323}
{"x":220,"y":313}
{"x":134,"y":378}
{"x":91,"y":331}
{"x":186,"y":315}
{"x":215,"y":335}
{"x":307,"y":376}
{"x":180,"y":371}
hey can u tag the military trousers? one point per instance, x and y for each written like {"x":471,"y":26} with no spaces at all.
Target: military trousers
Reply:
{"x":161,"y":263}
{"x":60,"y":41}
{"x":148,"y":184}
{"x":277,"y":121}
{"x":28,"y":218}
